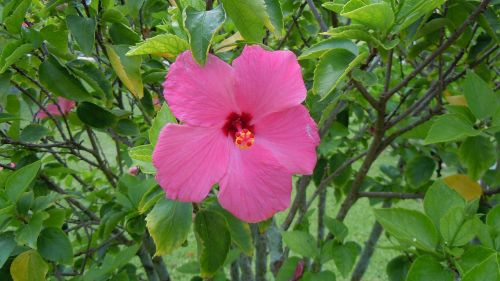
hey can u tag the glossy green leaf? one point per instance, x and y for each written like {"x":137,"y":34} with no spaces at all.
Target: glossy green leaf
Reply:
{"x":426,"y":268}
{"x":141,"y":152}
{"x":455,"y":228}
{"x":169,"y":223}
{"x":332,"y":68}
{"x":275,"y":13}
{"x":59,"y":81}
{"x":19,"y":181}
{"x":344,"y":256}
{"x":240,"y":231}
{"x":89,"y":72}
{"x":126,"y":127}
{"x":397,"y":268}
{"x":14,"y":20}
{"x":83,"y":29}
{"x":434,"y":205}
{"x":477,"y":163}
{"x":318,"y":49}
{"x":7,"y":244}
{"x":165,"y":45}
{"x":28,"y":233}
{"x":33,"y":133}
{"x":411,"y":10}
{"x":300,"y":242}
{"x":378,"y":16}
{"x":250,"y":17}
{"x":450,"y":127}
{"x":409,"y":226}
{"x":419,"y":171}
{"x":337,"y":228}
{"x":473,"y":257}
{"x":493,"y":217}
{"x":480,"y":96}
{"x":95,"y":116}
{"x":214,"y":241}
{"x":489,"y":269}
{"x":12,"y":52}
{"x":202,"y":27}
{"x":162,"y":118}
{"x":128,"y":69}
{"x":54,"y":245}
{"x":29,"y":266}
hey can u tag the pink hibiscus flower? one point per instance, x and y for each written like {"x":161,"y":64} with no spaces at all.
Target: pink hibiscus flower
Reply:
{"x":243,"y":127}
{"x":65,"y":105}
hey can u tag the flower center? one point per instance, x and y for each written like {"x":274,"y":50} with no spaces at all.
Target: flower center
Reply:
{"x":238,"y":126}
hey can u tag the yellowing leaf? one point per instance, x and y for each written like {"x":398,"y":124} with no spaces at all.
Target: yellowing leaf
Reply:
{"x":165,"y":45}
{"x":456,"y":100}
{"x":465,"y":186}
{"x":229,"y":43}
{"x":29,"y":266}
{"x":128,"y":69}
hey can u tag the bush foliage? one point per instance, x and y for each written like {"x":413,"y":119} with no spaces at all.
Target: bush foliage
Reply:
{"x":405,"y":94}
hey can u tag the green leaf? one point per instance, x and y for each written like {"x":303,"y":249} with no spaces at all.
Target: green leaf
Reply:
{"x":12,"y":52}
{"x":434,"y":205}
{"x":202,"y":27}
{"x":302,"y":243}
{"x":59,"y":81}
{"x":332,"y":68}
{"x":455,"y":229}
{"x":33,"y":133}
{"x":426,"y":268}
{"x":89,"y":72}
{"x":489,"y":269}
{"x":276,"y":16}
{"x":477,"y":163}
{"x":163,"y":117}
{"x":141,"y":152}
{"x":377,"y":16}
{"x":20,"y":180}
{"x":126,"y":127}
{"x":54,"y":245}
{"x":28,"y":233}
{"x":411,"y":10}
{"x":450,"y":127}
{"x":29,"y":266}
{"x":419,"y":171}
{"x":213,"y":239}
{"x":474,"y":256}
{"x":250,"y":17}
{"x":479,"y":95}
{"x":409,"y":226}
{"x":169,"y":223}
{"x":95,"y":116}
{"x":287,"y":270}
{"x":240,"y":231}
{"x":7,"y":244}
{"x":128,"y":69}
{"x":397,"y":268}
{"x":165,"y":45}
{"x":493,"y":218}
{"x":344,"y":256}
{"x":318,"y":49}
{"x":13,"y":21}
{"x":83,"y":29}
{"x":338,"y":229}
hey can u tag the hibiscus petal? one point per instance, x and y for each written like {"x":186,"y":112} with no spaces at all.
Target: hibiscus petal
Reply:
{"x":65,"y":104}
{"x":189,"y":160}
{"x":292,"y":136}
{"x":267,"y":81}
{"x":200,"y":95}
{"x":255,"y":186}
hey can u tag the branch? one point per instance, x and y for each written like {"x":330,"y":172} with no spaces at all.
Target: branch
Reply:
{"x":391,"y":195}
{"x":441,"y":49}
{"x":317,"y":15}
